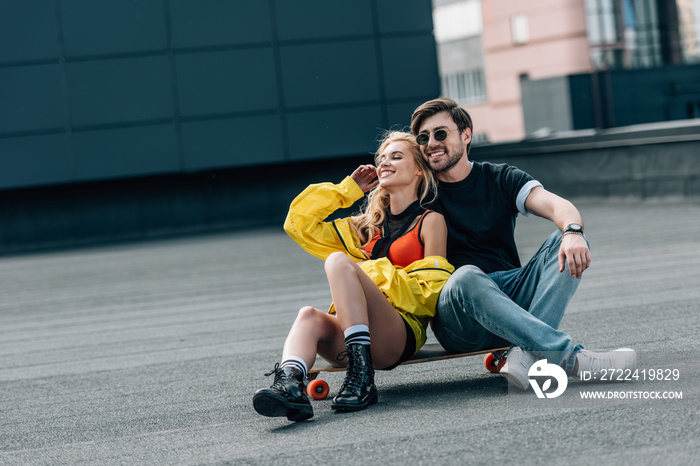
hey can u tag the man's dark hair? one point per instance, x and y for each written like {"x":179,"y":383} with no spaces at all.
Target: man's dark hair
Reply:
{"x":443,"y":104}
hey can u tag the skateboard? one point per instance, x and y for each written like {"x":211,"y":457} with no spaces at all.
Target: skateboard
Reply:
{"x":318,"y":389}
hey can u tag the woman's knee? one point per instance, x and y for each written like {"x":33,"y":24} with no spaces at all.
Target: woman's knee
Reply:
{"x":314,"y":326}
{"x":310,"y":315}
{"x":338,"y":262}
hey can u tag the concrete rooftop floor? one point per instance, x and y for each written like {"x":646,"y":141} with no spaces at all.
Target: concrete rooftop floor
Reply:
{"x":149,"y":353}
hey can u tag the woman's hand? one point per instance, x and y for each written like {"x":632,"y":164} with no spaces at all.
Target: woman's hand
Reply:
{"x":366,"y":177}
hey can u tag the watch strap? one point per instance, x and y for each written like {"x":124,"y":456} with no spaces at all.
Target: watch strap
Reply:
{"x":573,"y":228}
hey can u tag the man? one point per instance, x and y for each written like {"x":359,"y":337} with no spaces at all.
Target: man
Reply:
{"x":492,"y":301}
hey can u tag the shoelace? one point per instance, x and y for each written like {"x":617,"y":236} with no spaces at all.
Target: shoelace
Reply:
{"x":353,"y":376}
{"x":517,"y":356}
{"x":279,"y":374}
{"x":353,"y":380}
{"x":525,"y":360}
{"x":597,"y":363}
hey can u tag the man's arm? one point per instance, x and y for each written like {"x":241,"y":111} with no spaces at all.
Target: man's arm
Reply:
{"x":574,"y":249}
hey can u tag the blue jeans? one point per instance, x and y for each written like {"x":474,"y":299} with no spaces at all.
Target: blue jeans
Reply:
{"x":521,"y":307}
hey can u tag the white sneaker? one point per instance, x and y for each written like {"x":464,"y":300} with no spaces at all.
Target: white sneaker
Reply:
{"x":517,"y":365}
{"x":622,"y":359}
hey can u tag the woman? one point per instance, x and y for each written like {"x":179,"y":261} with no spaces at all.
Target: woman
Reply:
{"x":392,"y":292}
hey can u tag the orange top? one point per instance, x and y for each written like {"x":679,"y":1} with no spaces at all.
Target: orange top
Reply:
{"x":405,"y":249}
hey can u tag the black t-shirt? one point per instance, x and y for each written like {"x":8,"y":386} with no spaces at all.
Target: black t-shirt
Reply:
{"x":480,"y":213}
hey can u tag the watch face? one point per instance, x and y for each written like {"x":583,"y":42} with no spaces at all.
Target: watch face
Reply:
{"x":574,"y":227}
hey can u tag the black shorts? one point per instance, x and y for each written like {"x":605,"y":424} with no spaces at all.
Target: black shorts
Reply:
{"x":409,"y":349}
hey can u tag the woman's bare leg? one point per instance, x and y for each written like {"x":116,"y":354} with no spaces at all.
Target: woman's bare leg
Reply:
{"x":358,"y":301}
{"x":314,"y":331}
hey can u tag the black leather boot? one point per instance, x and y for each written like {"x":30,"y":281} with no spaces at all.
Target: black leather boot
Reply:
{"x":285,"y":397}
{"x":358,"y":390}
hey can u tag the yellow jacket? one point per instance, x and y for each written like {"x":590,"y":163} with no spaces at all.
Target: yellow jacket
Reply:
{"x":413,"y":290}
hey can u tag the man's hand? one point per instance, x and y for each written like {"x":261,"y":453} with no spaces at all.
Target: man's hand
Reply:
{"x":366,"y":177}
{"x":574,"y":252}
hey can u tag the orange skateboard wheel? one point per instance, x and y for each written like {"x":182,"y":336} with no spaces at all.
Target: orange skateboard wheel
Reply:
{"x":318,"y":389}
{"x":493,"y":364}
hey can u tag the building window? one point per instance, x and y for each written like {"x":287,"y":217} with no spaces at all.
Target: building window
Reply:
{"x":623,"y":33}
{"x":466,"y":87}
{"x":643,"y":33}
{"x":689,"y":29}
{"x":458,"y":26}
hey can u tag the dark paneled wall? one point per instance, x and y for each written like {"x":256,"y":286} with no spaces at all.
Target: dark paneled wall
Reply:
{"x":612,"y":98}
{"x":97,"y":90}
{"x":617,"y":98}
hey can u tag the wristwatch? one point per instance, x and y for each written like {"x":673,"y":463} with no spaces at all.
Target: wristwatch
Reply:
{"x":574,"y":228}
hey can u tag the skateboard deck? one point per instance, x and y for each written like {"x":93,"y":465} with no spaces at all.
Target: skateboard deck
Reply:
{"x":493,"y":361}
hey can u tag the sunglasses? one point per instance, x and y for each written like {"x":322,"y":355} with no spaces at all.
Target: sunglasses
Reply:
{"x":439,"y":135}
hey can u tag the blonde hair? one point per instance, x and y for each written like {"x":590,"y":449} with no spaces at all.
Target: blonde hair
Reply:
{"x":374,"y":210}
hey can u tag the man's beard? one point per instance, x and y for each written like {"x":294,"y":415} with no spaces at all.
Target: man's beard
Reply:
{"x":450,"y":159}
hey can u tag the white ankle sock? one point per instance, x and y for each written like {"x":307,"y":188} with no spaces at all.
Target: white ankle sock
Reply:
{"x":296,"y":363}
{"x":357,"y":334}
